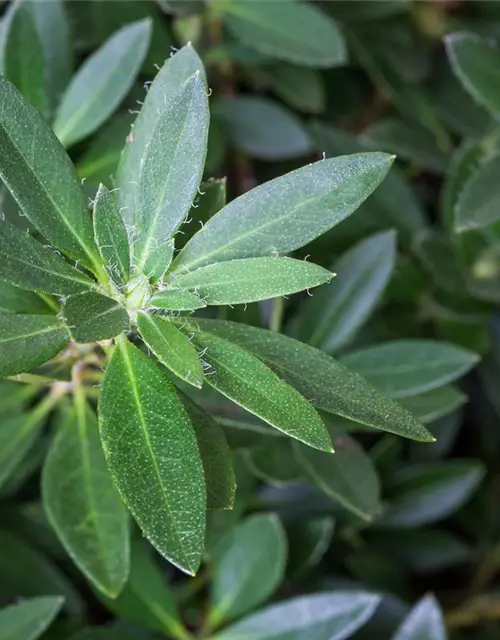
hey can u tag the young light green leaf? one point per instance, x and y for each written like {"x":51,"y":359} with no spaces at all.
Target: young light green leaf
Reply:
{"x":159,"y":261}
{"x":301,"y":88}
{"x":246,"y":380}
{"x":431,"y":405}
{"x":252,"y":279}
{"x":82,"y":504}
{"x":286,"y":29}
{"x":403,"y":368}
{"x":323,"y":616}
{"x":111,"y":236}
{"x":333,"y":315}
{"x":172,"y":348}
{"x":250,"y":568}
{"x":153,"y":456}
{"x":287,"y":212}
{"x":325,"y":382}
{"x":26,"y":263}
{"x":176,"y":300}
{"x":42,"y":179}
{"x":101,"y":83}
{"x":262,"y":128}
{"x":474,"y":60}
{"x":479,"y":201}
{"x":16,"y":300}
{"x":425,"y":620}
{"x":27,"y":341}
{"x":91,"y":317}
{"x":28,"y":620}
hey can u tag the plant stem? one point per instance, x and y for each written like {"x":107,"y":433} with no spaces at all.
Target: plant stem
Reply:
{"x":278,"y":309}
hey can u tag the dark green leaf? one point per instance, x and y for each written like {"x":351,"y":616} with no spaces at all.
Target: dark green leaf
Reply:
{"x":28,"y":620}
{"x":273,"y":462}
{"x":172,"y":348}
{"x":104,"y":633}
{"x":431,"y":405}
{"x":16,"y":300}
{"x":92,"y":317}
{"x":301,"y":88}
{"x":286,"y":213}
{"x":27,"y":341}
{"x":211,"y":199}
{"x":309,"y":540}
{"x":403,"y":368}
{"x":439,"y":257}
{"x":479,"y":201}
{"x":250,"y":568}
{"x":101,"y":83}
{"x":176,"y":300}
{"x":153,"y":456}
{"x":425,"y":620}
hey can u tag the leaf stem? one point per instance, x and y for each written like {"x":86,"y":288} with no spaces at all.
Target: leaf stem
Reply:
{"x":278,"y":309}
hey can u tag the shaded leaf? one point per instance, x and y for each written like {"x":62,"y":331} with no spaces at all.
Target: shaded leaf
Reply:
{"x":273,"y":462}
{"x":92,"y":317}
{"x":479,"y":200}
{"x":425,"y":620}
{"x":211,"y":199}
{"x":16,"y":300}
{"x":431,"y":405}
{"x":301,"y":88}
{"x":309,"y":540}
{"x":28,"y":620}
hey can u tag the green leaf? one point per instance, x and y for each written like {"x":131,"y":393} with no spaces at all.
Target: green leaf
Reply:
{"x":111,"y":236}
{"x":250,"y":568}
{"x":325,"y":382}
{"x":152,"y":454}
{"x":82,"y":504}
{"x":28,"y":620}
{"x":286,"y":29}
{"x":212,"y":197}
{"x":478,"y":203}
{"x":16,"y":300}
{"x":438,"y":255}
{"x":403,"y":368}
{"x":423,"y":494}
{"x":335,"y":313}
{"x":286,"y":213}
{"x":172,"y":348}
{"x":300,"y":87}
{"x":246,"y":380}
{"x":474,"y":61}
{"x":431,"y":405}
{"x":176,"y":300}
{"x":23,"y":59}
{"x":309,"y":541}
{"x":26,"y":263}
{"x":27,"y":341}
{"x":323,"y":616}
{"x":104,"y":633}
{"x":348,"y":477}
{"x":159,"y":261}
{"x":273,"y":462}
{"x":101,"y":83}
{"x":42,"y":179}
{"x":252,"y":279}
{"x":92,"y":317}
{"x":425,"y":620}
{"x":262,"y":128}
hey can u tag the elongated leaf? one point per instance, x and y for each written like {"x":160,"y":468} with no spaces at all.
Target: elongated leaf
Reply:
{"x":403,"y":368}
{"x":335,"y":313}
{"x":325,"y":616}
{"x":16,"y":300}
{"x":23,"y":59}
{"x":474,"y":60}
{"x":27,"y":341}
{"x":246,"y":380}
{"x":309,"y":541}
{"x":42,"y":179}
{"x":250,"y":568}
{"x":111,"y":236}
{"x":102,"y":82}
{"x":252,"y":279}
{"x":479,"y":200}
{"x":326,"y":383}
{"x":25,"y":263}
{"x":431,"y":405}
{"x":211,"y":199}
{"x":286,"y":29}
{"x":92,"y":317}
{"x":82,"y":503}
{"x":300,"y":87}
{"x":28,"y":620}
{"x":286,"y":213}
{"x":273,"y":462}
{"x":159,"y":261}
{"x":425,"y":620}
{"x":172,"y":348}
{"x":176,"y":300}
{"x":153,"y":457}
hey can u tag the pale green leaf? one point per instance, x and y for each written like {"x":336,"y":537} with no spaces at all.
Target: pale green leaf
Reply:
{"x":26,"y":263}
{"x":111,"y":236}
{"x":27,"y":341}
{"x":172,"y":348}
{"x":479,"y":201}
{"x":16,"y":300}
{"x":402,"y":368}
{"x":246,"y":380}
{"x":159,"y":261}
{"x":42,"y":179}
{"x":176,"y":300}
{"x":287,"y":212}
{"x":286,"y":29}
{"x":252,"y":279}
{"x":323,"y":616}
{"x":101,"y":83}
{"x":91,"y":317}
{"x":431,"y":405}
{"x":28,"y":620}
{"x":425,"y":621}
{"x":153,"y":456}
{"x":250,"y":568}
{"x":82,"y":504}
{"x":326,"y":383}
{"x":212,"y":197}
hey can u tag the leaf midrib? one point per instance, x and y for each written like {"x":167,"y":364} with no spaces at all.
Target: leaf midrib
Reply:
{"x":53,"y":328}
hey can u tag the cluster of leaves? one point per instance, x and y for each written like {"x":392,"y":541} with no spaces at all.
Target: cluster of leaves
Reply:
{"x":315,"y":456}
